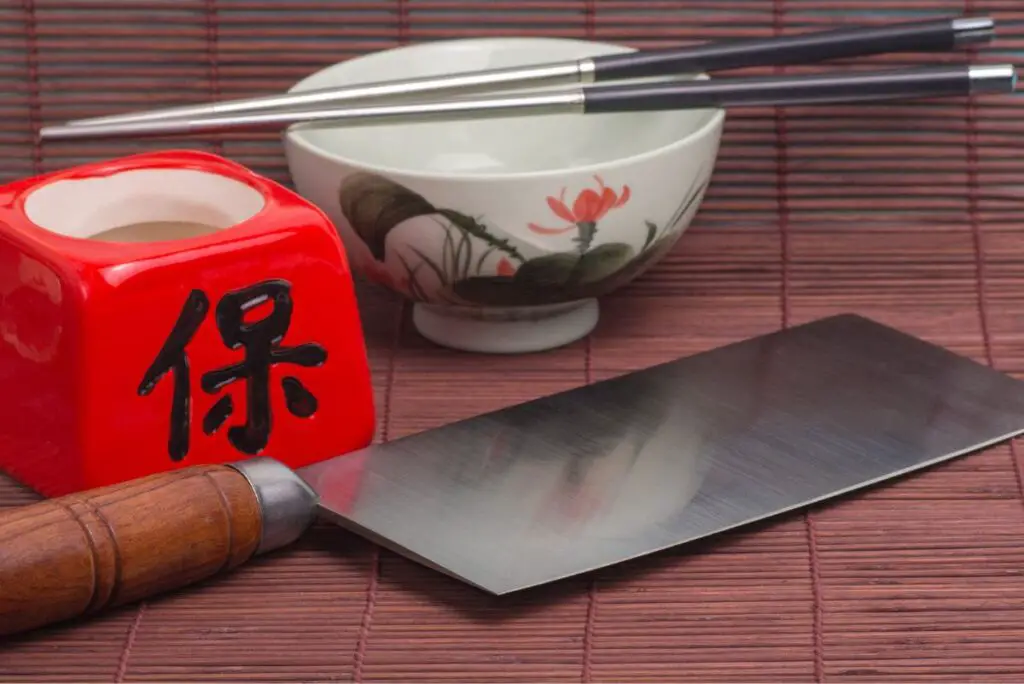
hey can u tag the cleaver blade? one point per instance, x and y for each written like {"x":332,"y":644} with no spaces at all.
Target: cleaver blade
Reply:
{"x":612,"y":471}
{"x":543,"y":490}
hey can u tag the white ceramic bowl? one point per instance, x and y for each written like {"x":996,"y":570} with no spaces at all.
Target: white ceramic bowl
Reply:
{"x":505,"y":232}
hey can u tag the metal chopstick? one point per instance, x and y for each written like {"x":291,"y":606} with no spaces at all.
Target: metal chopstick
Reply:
{"x":802,"y":48}
{"x":825,"y":88}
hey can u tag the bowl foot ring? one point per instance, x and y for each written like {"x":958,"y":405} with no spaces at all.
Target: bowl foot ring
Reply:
{"x":506,"y":331}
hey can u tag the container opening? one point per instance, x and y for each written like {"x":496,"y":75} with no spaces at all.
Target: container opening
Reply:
{"x":143,"y":205}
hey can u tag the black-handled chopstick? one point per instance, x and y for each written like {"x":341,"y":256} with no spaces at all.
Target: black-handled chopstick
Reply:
{"x":804,"y":48}
{"x":826,"y":88}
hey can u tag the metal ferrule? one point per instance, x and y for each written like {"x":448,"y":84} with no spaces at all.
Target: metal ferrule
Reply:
{"x":587,"y":71}
{"x":994,"y":78}
{"x":973,"y":30}
{"x":287,"y":503}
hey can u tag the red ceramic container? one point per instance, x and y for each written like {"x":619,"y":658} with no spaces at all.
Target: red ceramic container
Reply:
{"x":215,"y":322}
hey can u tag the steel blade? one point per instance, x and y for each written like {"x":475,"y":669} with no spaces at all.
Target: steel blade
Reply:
{"x":601,"y":474}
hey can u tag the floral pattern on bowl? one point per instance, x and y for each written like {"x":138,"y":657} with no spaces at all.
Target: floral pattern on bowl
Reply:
{"x":477,"y":266}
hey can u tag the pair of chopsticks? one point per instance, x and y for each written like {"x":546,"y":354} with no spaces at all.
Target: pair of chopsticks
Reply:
{"x":591,"y":95}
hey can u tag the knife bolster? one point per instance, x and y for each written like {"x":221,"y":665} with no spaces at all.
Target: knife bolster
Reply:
{"x":287,"y":503}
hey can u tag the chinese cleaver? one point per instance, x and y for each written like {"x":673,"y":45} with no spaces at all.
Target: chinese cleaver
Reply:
{"x":539,"y":491}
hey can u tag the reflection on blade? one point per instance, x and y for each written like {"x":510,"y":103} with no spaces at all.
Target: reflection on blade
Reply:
{"x":601,"y":474}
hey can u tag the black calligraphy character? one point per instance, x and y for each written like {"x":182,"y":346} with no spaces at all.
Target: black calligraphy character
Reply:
{"x":173,"y":357}
{"x":260,"y":340}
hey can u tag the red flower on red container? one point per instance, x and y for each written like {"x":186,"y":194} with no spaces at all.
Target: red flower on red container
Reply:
{"x":589,"y":207}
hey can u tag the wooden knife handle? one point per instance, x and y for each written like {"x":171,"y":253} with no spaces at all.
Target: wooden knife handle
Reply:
{"x":76,"y":555}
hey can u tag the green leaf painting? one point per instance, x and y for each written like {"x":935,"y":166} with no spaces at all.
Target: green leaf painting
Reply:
{"x":552,"y":278}
{"x":465,"y":272}
{"x":373,"y":206}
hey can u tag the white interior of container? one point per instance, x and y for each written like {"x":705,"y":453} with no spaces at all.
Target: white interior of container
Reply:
{"x":147,"y":204}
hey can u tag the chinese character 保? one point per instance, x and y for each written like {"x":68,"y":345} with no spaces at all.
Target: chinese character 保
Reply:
{"x":260,"y":341}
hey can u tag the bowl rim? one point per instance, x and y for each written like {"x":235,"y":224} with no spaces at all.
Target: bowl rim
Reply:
{"x":294,"y":135}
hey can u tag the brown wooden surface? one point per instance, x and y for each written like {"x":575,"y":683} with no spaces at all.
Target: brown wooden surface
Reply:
{"x":86,"y":552}
{"x":910,"y":213}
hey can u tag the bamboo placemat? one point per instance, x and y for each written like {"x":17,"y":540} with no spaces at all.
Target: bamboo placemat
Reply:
{"x":908,"y":213}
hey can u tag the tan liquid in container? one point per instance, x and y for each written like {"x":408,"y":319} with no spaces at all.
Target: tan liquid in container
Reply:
{"x":154,"y":231}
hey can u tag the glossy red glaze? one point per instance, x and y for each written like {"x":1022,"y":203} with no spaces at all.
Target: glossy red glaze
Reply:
{"x":82,"y":321}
